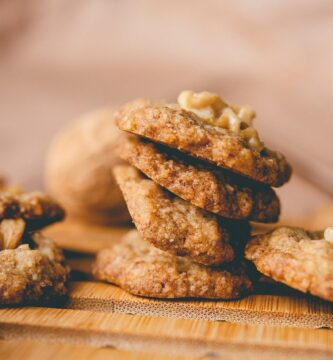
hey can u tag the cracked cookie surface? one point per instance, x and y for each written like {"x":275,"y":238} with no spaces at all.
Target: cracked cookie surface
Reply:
{"x":181,"y":129}
{"x":204,"y":185}
{"x":298,"y":258}
{"x":175,"y":225}
{"x":36,"y":208}
{"x":29,"y":275}
{"x":141,"y":269}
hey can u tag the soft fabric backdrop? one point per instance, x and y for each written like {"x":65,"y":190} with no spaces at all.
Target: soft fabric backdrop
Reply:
{"x":61,"y":58}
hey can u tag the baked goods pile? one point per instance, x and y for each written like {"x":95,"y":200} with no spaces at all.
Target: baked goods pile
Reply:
{"x":193,"y":175}
{"x":32,"y":268}
{"x":198,"y":173}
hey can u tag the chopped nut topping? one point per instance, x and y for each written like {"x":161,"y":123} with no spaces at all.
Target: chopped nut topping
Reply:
{"x":11,"y":232}
{"x":210,"y":108}
{"x":328,"y":234}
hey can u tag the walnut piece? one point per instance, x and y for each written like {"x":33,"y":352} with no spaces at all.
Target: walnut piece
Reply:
{"x":328,"y":234}
{"x":11,"y":232}
{"x":210,"y":108}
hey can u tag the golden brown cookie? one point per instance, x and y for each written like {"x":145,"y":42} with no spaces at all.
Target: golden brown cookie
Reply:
{"x":204,"y":185}
{"x":78,"y":169}
{"x":36,"y":208}
{"x":32,"y":272}
{"x":184,"y":130}
{"x":141,"y":269}
{"x":300,"y":259}
{"x":175,"y":225}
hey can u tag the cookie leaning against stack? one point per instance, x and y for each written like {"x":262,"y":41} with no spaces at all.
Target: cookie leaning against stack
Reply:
{"x":298,"y":258}
{"x":32,"y":268}
{"x":199,"y":172}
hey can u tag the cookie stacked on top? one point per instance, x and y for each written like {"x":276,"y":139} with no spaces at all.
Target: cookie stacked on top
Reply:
{"x":198,"y":174}
{"x":32,"y":268}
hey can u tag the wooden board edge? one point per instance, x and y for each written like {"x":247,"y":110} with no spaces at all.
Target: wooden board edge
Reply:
{"x":100,"y":297}
{"x":184,"y":311}
{"x":162,"y":345}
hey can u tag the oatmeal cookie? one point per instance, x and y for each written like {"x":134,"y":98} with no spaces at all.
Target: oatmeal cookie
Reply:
{"x":175,"y":225}
{"x":141,"y":269}
{"x":78,"y":169}
{"x":182,"y":129}
{"x":36,"y":208}
{"x":298,"y":258}
{"x":204,"y":185}
{"x":28,"y":275}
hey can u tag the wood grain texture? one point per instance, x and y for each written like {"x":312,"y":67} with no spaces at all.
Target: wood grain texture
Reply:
{"x":98,"y":315}
{"x":35,"y":350}
{"x":166,"y":336}
{"x":291,"y":309}
{"x":272,"y":310}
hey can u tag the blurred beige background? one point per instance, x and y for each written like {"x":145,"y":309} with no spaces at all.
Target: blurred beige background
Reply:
{"x":61,"y":58}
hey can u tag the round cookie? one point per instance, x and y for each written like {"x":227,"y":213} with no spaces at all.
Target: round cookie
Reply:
{"x":183,"y":130}
{"x":36,"y":208}
{"x":204,"y":185}
{"x":177,"y":226}
{"x":29,"y":275}
{"x":78,"y":169}
{"x":141,"y":269}
{"x":298,"y":258}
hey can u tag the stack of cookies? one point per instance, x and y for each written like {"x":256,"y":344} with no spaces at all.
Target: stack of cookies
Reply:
{"x":32,"y":268}
{"x":198,"y":174}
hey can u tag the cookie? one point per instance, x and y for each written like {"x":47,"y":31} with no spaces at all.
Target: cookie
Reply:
{"x":141,"y":269}
{"x":36,"y":208}
{"x":300,"y":259}
{"x":175,"y":225}
{"x":78,"y":169}
{"x":204,"y":185}
{"x":32,"y":272}
{"x":184,"y":130}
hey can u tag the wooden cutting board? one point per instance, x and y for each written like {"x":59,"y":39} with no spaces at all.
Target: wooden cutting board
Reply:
{"x":271,"y":305}
{"x":34,"y":350}
{"x":96,"y":315}
{"x":166,"y":336}
{"x":286,"y":311}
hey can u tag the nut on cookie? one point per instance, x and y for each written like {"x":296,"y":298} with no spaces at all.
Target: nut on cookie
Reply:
{"x":210,"y":108}
{"x":11,"y":233}
{"x":206,"y":127}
